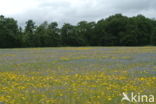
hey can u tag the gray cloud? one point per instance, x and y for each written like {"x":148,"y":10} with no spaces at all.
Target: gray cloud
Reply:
{"x":72,"y":11}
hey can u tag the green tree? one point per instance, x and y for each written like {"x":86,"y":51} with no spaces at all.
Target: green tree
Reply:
{"x":69,"y":37}
{"x":85,"y":30}
{"x":8,"y":33}
{"x":29,"y":37}
{"x":116,"y":30}
{"x":143,"y":29}
{"x":153,"y":37}
{"x":53,"y":35}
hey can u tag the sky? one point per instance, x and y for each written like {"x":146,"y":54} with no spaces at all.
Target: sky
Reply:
{"x":73,"y":11}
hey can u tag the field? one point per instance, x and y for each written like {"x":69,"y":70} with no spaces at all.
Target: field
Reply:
{"x":83,"y":75}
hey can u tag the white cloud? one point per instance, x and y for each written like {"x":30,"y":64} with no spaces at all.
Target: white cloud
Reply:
{"x":73,"y":11}
{"x":11,"y":7}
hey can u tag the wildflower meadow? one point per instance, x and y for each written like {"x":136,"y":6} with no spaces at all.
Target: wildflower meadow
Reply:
{"x":80,"y":75}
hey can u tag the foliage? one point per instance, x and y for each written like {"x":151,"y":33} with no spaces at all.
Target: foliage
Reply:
{"x":116,"y":30}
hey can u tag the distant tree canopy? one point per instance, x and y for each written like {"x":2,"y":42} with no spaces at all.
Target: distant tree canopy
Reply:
{"x":116,"y":30}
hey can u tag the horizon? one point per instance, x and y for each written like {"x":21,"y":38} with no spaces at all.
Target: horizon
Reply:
{"x":60,"y":25}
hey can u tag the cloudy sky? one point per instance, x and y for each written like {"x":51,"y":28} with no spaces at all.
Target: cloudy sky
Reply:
{"x":72,"y":11}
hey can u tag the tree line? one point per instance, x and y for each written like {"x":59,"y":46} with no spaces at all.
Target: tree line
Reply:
{"x":116,"y":30}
